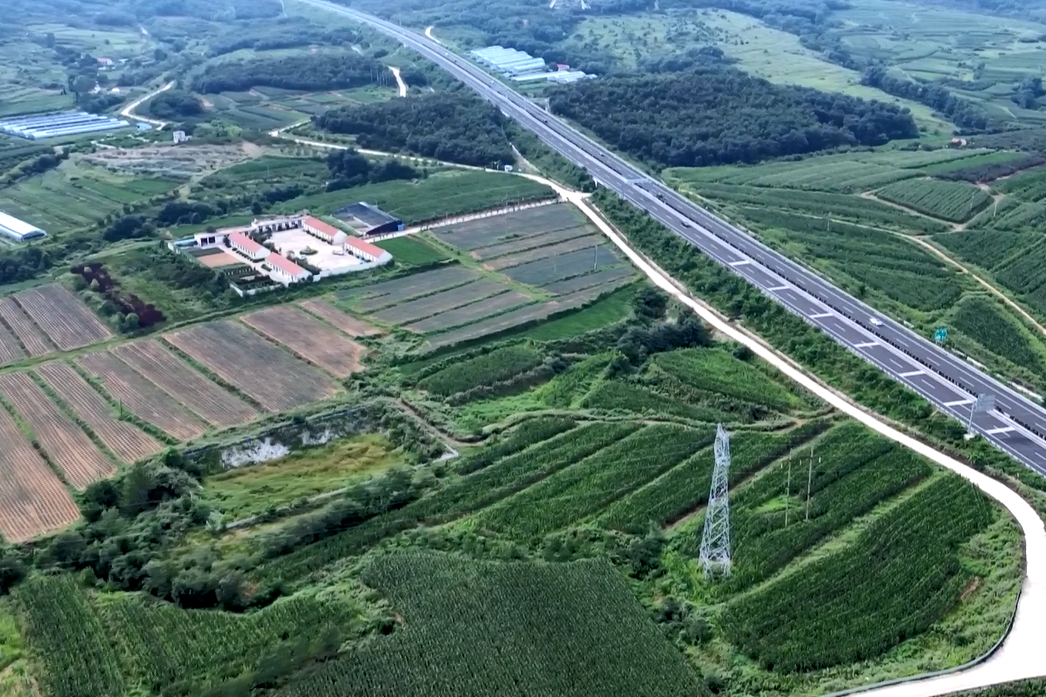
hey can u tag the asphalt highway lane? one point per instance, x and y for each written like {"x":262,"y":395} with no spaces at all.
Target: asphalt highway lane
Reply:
{"x":1017,"y":426}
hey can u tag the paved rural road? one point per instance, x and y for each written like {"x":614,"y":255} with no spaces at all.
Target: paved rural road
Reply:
{"x":1016,"y":426}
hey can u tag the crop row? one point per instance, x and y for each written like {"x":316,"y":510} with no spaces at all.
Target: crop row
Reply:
{"x":840,"y":610}
{"x":163,"y":646}
{"x":717,"y":371}
{"x":982,"y":321}
{"x":68,"y":637}
{"x":522,"y":437}
{"x":952,"y":201}
{"x":630,"y":398}
{"x":586,"y":487}
{"x":822,"y":204}
{"x":456,"y":498}
{"x":477,"y":628}
{"x":490,"y":368}
{"x":684,"y":488}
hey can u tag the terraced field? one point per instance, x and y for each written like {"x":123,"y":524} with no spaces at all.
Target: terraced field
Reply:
{"x":142,"y":398}
{"x":29,"y":336}
{"x":185,"y":384}
{"x":125,"y":440}
{"x":341,"y":320}
{"x":309,"y":338}
{"x":272,"y":377}
{"x":67,"y":322}
{"x":33,"y":500}
{"x":62,"y":439}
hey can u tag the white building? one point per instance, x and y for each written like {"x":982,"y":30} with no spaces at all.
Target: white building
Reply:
{"x":19,"y":229}
{"x":286,"y":271}
{"x":248,"y":247}
{"x":365,"y":250}
{"x":327,"y":233}
{"x":180,"y":137}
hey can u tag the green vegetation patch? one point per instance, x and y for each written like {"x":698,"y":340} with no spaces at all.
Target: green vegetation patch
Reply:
{"x":716,"y":370}
{"x":954,"y":201}
{"x":497,"y":366}
{"x":505,"y":628}
{"x":412,"y":251}
{"x":834,"y":611}
{"x":255,"y":489}
{"x":981,"y":320}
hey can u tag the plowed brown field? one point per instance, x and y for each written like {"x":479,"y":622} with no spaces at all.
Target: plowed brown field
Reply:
{"x":342,"y":320}
{"x":308,"y":337}
{"x":272,"y":377}
{"x":64,"y":318}
{"x":126,"y":441}
{"x":183,"y":382}
{"x":33,"y":500}
{"x":31,"y":338}
{"x":65,"y":443}
{"x":142,"y":398}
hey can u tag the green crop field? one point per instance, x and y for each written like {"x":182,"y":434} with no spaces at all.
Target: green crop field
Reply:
{"x":499,"y":628}
{"x":412,"y":251}
{"x":983,"y":321}
{"x":442,"y":194}
{"x":953,"y":201}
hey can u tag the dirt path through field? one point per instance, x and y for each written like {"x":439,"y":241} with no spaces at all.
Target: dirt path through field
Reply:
{"x":128,"y":111}
{"x":870,"y":196}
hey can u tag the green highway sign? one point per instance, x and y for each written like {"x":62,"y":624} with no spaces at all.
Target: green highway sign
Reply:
{"x":941,"y":335}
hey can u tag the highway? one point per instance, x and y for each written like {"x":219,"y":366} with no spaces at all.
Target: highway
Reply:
{"x":1016,"y":425}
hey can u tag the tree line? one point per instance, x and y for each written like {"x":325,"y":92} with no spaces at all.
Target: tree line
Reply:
{"x":713,"y":115}
{"x":314,"y":72}
{"x":962,"y":112}
{"x":451,"y":126}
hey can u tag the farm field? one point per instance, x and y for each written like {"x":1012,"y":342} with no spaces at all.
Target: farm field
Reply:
{"x":77,"y":195}
{"x":64,"y":442}
{"x":270,"y":376}
{"x":507,"y":227}
{"x":442,"y":301}
{"x":412,"y":251}
{"x":378,"y":295}
{"x":584,"y":609}
{"x":68,"y":323}
{"x":441,"y":195}
{"x":29,"y":335}
{"x":141,"y":397}
{"x":953,"y":201}
{"x":33,"y":500}
{"x":470,"y":313}
{"x":10,"y":350}
{"x":182,"y":382}
{"x":125,"y":440}
{"x":309,"y":338}
{"x":549,"y":269}
{"x":341,"y":320}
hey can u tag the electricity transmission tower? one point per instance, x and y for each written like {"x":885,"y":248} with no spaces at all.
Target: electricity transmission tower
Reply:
{"x":715,"y":541}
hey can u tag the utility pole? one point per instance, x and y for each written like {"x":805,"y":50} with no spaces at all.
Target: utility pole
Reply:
{"x":715,"y":539}
{"x":788,"y":491}
{"x":809,"y":482}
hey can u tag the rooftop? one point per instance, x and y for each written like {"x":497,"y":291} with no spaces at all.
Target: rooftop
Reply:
{"x":246,"y":242}
{"x":321,"y":226}
{"x":17,"y":226}
{"x":365,"y":247}
{"x":285,"y":265}
{"x":365,"y":213}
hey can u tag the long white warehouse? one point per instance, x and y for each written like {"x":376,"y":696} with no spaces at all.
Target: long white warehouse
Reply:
{"x":19,"y":229}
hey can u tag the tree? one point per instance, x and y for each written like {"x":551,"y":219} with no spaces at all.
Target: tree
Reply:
{"x":649,"y":303}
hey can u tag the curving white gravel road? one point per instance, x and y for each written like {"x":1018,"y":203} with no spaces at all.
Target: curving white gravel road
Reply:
{"x":128,"y":111}
{"x":399,"y":80}
{"x":1020,"y":655}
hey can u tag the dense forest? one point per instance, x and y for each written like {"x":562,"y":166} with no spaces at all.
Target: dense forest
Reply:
{"x":297,"y":72}
{"x":718,"y":115}
{"x":963,"y":113}
{"x":451,"y":126}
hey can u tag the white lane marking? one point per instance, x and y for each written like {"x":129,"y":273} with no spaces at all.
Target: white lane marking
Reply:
{"x":1002,"y":429}
{"x":778,"y":288}
{"x":866,"y":344}
{"x":821,"y":315}
{"x":741,"y":263}
{"x":911,"y":373}
{"x":958,"y":402}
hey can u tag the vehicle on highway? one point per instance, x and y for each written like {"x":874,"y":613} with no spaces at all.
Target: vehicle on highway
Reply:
{"x":875,"y":321}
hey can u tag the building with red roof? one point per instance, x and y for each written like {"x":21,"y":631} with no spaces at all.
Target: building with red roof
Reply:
{"x":327,"y":233}
{"x":247,"y":247}
{"x":363,"y":250}
{"x":285,"y":270}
